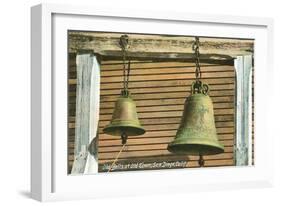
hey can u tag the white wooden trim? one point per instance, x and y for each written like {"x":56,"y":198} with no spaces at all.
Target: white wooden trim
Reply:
{"x":91,"y":166}
{"x":243,"y":114}
{"x":87,"y":115}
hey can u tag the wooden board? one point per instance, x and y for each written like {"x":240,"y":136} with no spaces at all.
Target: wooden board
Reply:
{"x":161,"y":47}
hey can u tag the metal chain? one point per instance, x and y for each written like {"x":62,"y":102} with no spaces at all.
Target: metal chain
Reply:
{"x":128,"y":75}
{"x":124,"y":69}
{"x":195,"y":48}
{"x":124,"y":45}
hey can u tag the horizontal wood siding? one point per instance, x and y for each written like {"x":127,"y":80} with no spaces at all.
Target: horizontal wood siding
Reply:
{"x":159,"y":90}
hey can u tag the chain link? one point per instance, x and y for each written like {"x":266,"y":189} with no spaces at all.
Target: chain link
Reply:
{"x":128,"y":75}
{"x":195,"y":48}
{"x":124,"y":69}
{"x":124,"y":46}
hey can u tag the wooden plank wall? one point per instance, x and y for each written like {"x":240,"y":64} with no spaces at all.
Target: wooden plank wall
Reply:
{"x":159,"y":90}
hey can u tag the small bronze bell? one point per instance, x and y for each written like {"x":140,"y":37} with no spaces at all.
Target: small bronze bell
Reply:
{"x":197,"y":132}
{"x":124,"y":120}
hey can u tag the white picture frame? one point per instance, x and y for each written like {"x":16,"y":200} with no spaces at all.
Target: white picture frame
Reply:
{"x":49,"y":178}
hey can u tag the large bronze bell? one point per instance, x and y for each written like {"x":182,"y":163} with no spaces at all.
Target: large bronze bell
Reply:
{"x":197,"y":132}
{"x":124,"y":120}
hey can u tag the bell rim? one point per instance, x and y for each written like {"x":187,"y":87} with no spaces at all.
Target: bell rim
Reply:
{"x":140,"y":130}
{"x":211,"y":146}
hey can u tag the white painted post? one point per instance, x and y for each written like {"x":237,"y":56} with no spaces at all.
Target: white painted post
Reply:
{"x":87,"y":114}
{"x":92,"y":160}
{"x":243,"y":149}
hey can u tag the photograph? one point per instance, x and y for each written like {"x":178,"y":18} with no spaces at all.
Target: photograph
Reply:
{"x":144,"y":103}
{"x":141,"y":102}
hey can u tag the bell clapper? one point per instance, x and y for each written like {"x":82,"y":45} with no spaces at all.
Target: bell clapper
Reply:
{"x":124,"y":137}
{"x":201,"y":161}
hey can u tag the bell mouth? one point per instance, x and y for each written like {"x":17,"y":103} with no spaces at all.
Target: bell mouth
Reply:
{"x":118,"y":130}
{"x":193,"y":148}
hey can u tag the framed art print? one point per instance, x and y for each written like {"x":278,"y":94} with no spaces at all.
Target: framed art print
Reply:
{"x":123,"y":97}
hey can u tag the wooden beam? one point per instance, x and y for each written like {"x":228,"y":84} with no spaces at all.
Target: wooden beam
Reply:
{"x":158,"y":46}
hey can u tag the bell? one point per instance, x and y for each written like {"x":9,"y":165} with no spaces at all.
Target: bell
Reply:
{"x":197,"y":132}
{"x":124,"y":120}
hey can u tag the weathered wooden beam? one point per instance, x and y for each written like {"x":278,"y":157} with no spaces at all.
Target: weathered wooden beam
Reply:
{"x":158,"y":46}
